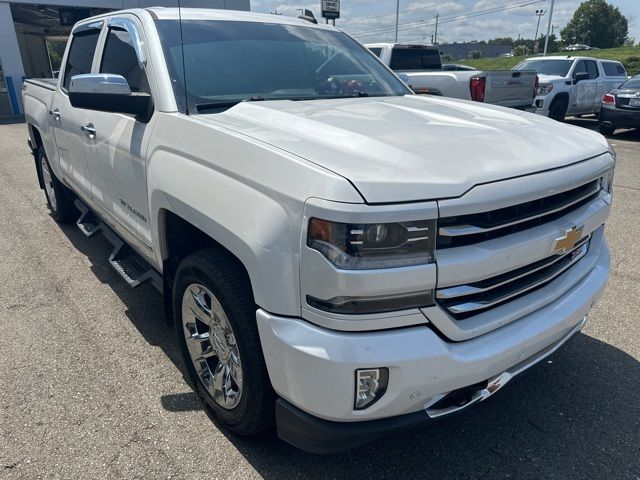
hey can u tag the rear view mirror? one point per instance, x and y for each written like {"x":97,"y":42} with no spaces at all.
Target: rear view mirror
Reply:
{"x":108,"y":93}
{"x":581,"y":76}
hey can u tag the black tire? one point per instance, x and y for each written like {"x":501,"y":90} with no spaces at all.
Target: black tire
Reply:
{"x":255,"y":410}
{"x":607,"y":129}
{"x":59,"y":199}
{"x":558,"y":109}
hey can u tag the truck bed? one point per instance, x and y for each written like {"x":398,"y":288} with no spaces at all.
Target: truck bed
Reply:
{"x":502,"y":87}
{"x":48,"y":83}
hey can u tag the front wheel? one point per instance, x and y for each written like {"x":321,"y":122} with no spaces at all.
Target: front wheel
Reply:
{"x":558,"y":109}
{"x":215,"y":320}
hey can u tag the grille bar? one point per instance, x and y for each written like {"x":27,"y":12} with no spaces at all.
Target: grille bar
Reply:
{"x":464,"y":300}
{"x":520,"y":213}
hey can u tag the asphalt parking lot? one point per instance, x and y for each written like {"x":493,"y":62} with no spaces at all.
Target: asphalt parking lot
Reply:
{"x":92,"y":384}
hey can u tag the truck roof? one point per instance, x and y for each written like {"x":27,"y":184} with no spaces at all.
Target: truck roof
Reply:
{"x":571,"y":57}
{"x":392,"y":45}
{"x":163,"y":13}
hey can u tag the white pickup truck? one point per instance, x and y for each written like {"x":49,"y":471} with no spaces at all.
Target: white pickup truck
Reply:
{"x":339,"y":257}
{"x":421,"y":68}
{"x":572,"y":85}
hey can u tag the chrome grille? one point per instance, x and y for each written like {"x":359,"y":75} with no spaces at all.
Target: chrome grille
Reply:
{"x":474,"y":228}
{"x":463,"y":301}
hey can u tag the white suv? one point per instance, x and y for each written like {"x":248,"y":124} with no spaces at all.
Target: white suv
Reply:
{"x":572,"y":85}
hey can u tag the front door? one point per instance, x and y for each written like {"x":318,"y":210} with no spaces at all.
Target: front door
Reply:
{"x":116,"y":154}
{"x":67,"y":120}
{"x":585,"y":90}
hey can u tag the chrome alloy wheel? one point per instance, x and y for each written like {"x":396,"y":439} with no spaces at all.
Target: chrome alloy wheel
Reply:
{"x":48,"y":183}
{"x":212,"y":345}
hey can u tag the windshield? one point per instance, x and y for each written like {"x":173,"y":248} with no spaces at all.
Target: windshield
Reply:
{"x":226,"y":62}
{"x":546,"y":67}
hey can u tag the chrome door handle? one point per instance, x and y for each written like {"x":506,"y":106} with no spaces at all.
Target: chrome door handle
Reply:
{"x":89,"y":130}
{"x":55,"y":113}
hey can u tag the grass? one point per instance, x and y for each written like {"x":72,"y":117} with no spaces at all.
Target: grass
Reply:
{"x":629,"y":56}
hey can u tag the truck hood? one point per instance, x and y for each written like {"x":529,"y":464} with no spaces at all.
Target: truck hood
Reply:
{"x":401,"y":149}
{"x":550,"y":78}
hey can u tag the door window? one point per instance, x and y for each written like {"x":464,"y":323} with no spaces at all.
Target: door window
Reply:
{"x":592,"y":68}
{"x":581,"y":67}
{"x":80,"y":55}
{"x":120,"y":58}
{"x":377,"y":51}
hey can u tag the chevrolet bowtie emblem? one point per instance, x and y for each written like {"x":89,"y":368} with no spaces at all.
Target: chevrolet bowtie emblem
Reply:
{"x":567,"y":240}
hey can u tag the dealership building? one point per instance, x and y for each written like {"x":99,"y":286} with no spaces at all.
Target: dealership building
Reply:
{"x":32,"y":36}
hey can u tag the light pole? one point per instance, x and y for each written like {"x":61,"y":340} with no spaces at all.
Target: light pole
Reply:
{"x":435,"y":37}
{"x":546,"y":40}
{"x":397,"y":14}
{"x":539,"y":13}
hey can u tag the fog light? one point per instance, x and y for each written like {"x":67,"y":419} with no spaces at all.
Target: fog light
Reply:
{"x":371,"y":383}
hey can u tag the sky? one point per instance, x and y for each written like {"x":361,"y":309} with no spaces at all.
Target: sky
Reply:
{"x":460,"y":20}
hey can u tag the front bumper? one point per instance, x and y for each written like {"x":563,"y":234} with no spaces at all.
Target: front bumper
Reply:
{"x":316,"y":435}
{"x":312,"y":368}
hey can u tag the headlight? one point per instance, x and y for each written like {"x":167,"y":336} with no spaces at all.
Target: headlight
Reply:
{"x":606,"y":182}
{"x":545,"y":88}
{"x":352,"y":246}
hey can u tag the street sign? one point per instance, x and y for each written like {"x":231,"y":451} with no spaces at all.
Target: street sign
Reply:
{"x":330,"y":8}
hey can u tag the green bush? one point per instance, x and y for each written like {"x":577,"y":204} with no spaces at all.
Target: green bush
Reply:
{"x":632,"y":64}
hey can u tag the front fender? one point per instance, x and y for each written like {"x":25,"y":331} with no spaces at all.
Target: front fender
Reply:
{"x":249,"y":224}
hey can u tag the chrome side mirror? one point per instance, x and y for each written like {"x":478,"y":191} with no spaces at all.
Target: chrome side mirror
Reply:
{"x":106,"y":92}
{"x":101,"y":83}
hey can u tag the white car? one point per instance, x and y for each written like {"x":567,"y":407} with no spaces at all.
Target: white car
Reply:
{"x":572,"y":85}
{"x":339,"y":257}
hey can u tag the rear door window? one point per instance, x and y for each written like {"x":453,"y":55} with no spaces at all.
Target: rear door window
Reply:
{"x":80,"y":58}
{"x":415,"y":59}
{"x":614,"y":69}
{"x":120,"y":58}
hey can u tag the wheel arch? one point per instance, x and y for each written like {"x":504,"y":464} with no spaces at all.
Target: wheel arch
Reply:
{"x":36,"y":142}
{"x":560,"y":96}
{"x":183,"y":229}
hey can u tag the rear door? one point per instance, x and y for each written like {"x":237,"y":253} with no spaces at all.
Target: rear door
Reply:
{"x":116,"y":155}
{"x":614,"y":75}
{"x":67,"y":120}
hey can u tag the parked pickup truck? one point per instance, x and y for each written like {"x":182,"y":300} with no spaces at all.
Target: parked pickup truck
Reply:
{"x":572,"y":85}
{"x":340,"y":257}
{"x":420,"y":66}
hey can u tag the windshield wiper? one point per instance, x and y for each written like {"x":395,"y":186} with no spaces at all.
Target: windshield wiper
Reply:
{"x":225,"y":103}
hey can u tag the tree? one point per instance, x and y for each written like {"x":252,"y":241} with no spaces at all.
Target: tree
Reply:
{"x":553,"y":43}
{"x":521,"y":51}
{"x":501,"y":41}
{"x":475,"y":54}
{"x":446,"y":58}
{"x":597,"y":24}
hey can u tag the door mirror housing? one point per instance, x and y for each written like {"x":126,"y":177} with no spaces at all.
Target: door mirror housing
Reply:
{"x":580,"y":77}
{"x":106,"y":92}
